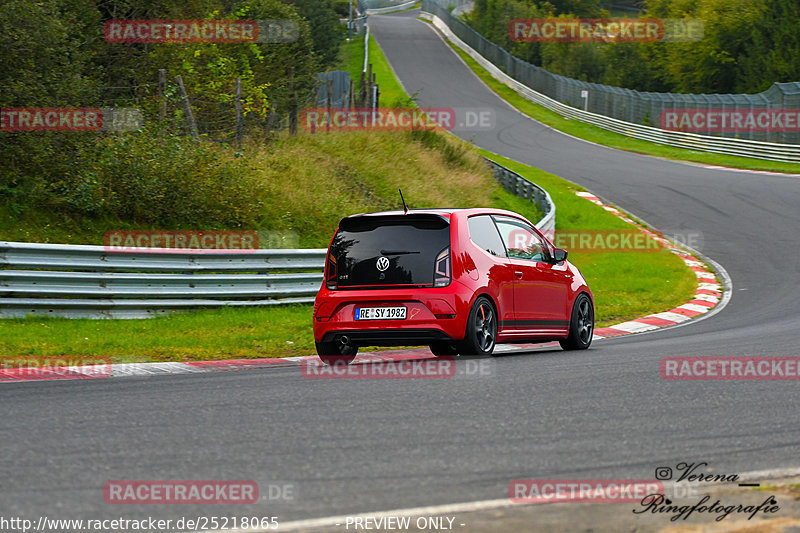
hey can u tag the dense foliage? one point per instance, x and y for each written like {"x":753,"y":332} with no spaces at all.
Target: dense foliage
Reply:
{"x":53,"y":54}
{"x":748,"y":45}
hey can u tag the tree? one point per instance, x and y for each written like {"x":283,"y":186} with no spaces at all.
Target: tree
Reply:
{"x":45,"y":63}
{"x":774,"y":55}
{"x":578,"y":8}
{"x":326,"y":31}
{"x":711,"y":64}
{"x":582,"y":61}
{"x":479,"y":12}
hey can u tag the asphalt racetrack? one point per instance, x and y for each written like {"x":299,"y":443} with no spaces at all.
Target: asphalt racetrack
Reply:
{"x":350,"y":446}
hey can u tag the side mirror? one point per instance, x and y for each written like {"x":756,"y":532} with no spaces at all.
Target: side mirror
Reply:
{"x":559,"y":255}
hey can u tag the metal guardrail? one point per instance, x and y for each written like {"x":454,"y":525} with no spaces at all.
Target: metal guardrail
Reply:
{"x":378,"y":7}
{"x":692,"y":141}
{"x":94,"y":282}
{"x":77,"y":281}
{"x":519,"y":186}
{"x":366,"y":48}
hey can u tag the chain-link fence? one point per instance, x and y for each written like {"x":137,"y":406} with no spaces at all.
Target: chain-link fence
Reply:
{"x":728,"y":115}
{"x":224,"y":115}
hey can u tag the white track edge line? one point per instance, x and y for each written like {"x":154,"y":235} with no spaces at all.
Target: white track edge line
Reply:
{"x":478,"y":505}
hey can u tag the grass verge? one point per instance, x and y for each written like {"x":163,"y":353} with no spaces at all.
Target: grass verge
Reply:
{"x":611,"y":139}
{"x":230,"y":333}
{"x":356,"y":177}
{"x":351,"y":57}
{"x":625,"y":285}
{"x":391,"y":91}
{"x":353,"y":171}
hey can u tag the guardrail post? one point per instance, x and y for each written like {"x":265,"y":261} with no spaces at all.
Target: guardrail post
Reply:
{"x":90,"y":281}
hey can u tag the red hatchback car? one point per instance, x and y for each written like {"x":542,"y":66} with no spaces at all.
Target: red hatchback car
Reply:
{"x":457,"y":280}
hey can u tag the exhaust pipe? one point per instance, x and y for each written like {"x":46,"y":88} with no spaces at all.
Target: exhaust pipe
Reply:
{"x":344,"y":340}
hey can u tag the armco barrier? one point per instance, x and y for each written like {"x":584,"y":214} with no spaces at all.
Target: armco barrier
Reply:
{"x":442,"y":20}
{"x":378,"y":7}
{"x":519,"y":186}
{"x":95,"y":282}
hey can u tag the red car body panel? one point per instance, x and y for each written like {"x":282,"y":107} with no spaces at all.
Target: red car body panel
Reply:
{"x":534,"y":299}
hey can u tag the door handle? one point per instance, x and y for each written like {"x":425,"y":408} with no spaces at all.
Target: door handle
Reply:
{"x":518,"y":274}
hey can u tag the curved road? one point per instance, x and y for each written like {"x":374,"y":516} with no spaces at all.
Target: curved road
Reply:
{"x":349,"y":446}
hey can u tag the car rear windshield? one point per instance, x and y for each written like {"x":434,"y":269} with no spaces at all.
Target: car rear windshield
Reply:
{"x":391,"y":250}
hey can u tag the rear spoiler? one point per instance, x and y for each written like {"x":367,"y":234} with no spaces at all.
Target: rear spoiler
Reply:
{"x":418,"y":220}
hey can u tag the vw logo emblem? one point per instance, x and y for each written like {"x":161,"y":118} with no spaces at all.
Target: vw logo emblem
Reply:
{"x":382,"y":264}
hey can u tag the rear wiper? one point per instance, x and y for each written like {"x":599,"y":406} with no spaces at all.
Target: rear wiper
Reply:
{"x":399,"y":252}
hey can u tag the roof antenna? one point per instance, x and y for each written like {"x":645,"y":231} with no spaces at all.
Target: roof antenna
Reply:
{"x":405,"y":209}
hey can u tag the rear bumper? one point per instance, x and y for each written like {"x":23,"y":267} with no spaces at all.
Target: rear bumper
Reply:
{"x":436,"y":314}
{"x":389,"y":337}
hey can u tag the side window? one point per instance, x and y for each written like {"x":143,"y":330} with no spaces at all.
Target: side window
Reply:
{"x":521,"y":240}
{"x":483,"y":232}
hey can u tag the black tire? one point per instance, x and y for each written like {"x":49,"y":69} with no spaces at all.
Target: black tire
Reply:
{"x":332,"y":353}
{"x":581,"y":325}
{"x":443,"y":348}
{"x":480,"y":336}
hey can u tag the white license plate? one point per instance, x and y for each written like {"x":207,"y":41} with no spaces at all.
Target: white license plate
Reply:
{"x":380,"y":313}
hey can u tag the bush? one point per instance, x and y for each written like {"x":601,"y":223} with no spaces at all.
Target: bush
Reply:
{"x":157,"y":180}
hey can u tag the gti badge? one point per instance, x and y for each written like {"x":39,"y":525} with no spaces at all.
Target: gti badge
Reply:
{"x":382,"y":264}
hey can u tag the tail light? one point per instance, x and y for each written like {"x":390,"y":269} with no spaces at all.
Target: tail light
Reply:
{"x":441,"y":269}
{"x":331,"y":273}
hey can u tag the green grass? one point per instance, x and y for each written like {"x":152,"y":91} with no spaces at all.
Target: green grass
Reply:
{"x":625,"y":285}
{"x":201,"y":335}
{"x":359,"y":172}
{"x":351,"y":57}
{"x":615,"y":140}
{"x":392,"y":93}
